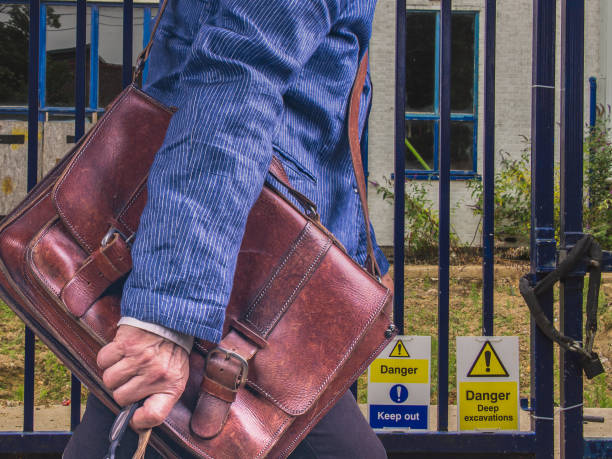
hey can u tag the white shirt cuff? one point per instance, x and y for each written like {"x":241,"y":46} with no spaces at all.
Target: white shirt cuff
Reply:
{"x":185,"y":341}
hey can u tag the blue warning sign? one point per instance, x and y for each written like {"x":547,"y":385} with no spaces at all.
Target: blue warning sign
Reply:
{"x":400,"y":416}
{"x":398,"y":393}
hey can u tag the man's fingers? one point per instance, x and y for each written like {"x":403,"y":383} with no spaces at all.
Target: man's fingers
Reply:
{"x":153,"y":412}
{"x":136,"y":389}
{"x":119,"y":374}
{"x":110,"y":355}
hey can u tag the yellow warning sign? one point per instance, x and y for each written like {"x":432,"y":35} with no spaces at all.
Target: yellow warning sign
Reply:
{"x":399,"y":350}
{"x":488,"y":364}
{"x":400,"y":371}
{"x":488,"y":405}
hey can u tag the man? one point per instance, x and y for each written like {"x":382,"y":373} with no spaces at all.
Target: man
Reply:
{"x":250,"y":78}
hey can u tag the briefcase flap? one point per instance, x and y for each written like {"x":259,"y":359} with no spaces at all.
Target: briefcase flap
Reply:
{"x":298,"y":290}
{"x":92,"y":192}
{"x":316,"y":336}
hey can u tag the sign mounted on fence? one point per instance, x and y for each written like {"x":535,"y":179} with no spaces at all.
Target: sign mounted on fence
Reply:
{"x":487,"y":383}
{"x":399,"y":385}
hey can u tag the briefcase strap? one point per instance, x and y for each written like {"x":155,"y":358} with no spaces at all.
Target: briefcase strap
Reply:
{"x":354,"y":144}
{"x":144,"y":54}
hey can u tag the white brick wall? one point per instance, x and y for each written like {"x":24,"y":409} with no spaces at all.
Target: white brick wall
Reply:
{"x":513,"y":94}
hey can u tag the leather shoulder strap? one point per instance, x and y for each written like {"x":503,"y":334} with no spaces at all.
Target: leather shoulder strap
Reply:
{"x":144,"y":54}
{"x":354,"y":144}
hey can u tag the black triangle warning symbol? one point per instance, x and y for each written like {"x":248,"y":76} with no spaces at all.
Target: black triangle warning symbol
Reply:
{"x":488,"y":364}
{"x":399,"y":350}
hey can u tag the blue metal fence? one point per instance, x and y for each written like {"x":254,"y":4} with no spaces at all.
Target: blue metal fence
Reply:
{"x":537,"y":442}
{"x":93,"y":79}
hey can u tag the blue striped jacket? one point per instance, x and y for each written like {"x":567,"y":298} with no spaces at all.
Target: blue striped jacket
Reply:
{"x":251,"y":78}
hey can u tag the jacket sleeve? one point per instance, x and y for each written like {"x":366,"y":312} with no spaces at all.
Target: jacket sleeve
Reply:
{"x":212,"y":165}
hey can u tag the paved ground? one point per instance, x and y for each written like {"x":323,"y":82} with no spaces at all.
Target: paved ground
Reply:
{"x":58,"y":418}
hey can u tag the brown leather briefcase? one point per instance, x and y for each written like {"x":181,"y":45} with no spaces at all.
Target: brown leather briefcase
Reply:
{"x":303,"y":322}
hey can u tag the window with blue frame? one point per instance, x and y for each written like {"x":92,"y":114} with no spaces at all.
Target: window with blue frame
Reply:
{"x":422,"y":94}
{"x":57,"y":53}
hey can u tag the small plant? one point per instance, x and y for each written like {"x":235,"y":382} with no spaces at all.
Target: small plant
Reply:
{"x":598,"y":180}
{"x":422,"y":224}
{"x":597,"y":393}
{"x":512,"y":199}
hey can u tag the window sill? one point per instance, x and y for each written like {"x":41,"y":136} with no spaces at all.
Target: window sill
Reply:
{"x":434,"y":175}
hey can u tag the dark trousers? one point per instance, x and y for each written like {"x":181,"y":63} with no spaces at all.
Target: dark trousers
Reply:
{"x":342,"y":433}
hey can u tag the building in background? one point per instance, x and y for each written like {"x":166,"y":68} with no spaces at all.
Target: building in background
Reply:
{"x":57,"y":35}
{"x":513,"y":95}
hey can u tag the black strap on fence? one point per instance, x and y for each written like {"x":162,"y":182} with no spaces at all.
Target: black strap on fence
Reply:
{"x":587,"y":251}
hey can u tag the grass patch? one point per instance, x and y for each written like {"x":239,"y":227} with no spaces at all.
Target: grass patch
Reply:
{"x":511,"y":319}
{"x":52,"y":380}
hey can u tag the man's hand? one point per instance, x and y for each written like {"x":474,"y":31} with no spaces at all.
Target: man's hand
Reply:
{"x":138,"y":364}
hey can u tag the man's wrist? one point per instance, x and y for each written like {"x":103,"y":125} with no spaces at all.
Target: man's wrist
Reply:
{"x":181,"y":339}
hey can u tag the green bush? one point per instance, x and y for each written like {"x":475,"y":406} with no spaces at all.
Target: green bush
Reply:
{"x":512,"y":198}
{"x":422,"y":228}
{"x":512,"y":202}
{"x":598,"y":181}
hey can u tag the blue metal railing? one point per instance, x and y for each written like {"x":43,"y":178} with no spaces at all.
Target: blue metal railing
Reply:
{"x":537,"y":442}
{"x":542,"y":219}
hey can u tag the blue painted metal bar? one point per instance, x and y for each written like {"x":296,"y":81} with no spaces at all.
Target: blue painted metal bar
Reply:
{"x":596,"y":448}
{"x":543,"y":246}
{"x":32,"y":174}
{"x":94,"y":51}
{"x":444,"y":211}
{"x":146,"y":35}
{"x":33,"y":93}
{"x":79,"y":73}
{"x":28,"y":381}
{"x":571,"y":298}
{"x":436,"y":149}
{"x":592,"y":119}
{"x":63,"y":110}
{"x":128,"y":21}
{"x":436,"y":101}
{"x":33,"y":442}
{"x":42,"y":56}
{"x":475,"y":89}
{"x":488,"y":175}
{"x":71,"y":3}
{"x":592,"y":101}
{"x":400,"y":166}
{"x":79,"y":130}
{"x":497,"y":444}
{"x":434,"y":116}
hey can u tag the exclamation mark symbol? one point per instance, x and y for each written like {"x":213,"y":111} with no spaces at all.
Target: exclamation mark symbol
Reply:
{"x":487,"y":356}
{"x":399,"y":393}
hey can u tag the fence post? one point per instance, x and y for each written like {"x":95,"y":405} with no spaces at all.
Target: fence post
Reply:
{"x":444,"y":212}
{"x":128,"y":22}
{"x":488,"y":176}
{"x":79,"y":130}
{"x":543,"y":246}
{"x":572,"y":131}
{"x":399,"y":185}
{"x":33,"y":50}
